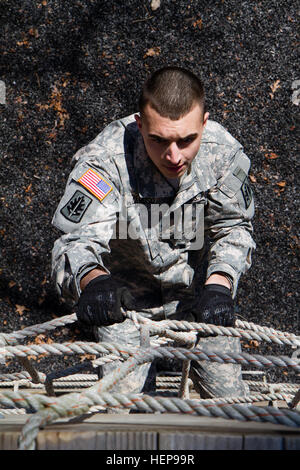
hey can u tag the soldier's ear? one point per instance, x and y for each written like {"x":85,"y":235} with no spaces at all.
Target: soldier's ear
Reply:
{"x":138,"y":119}
{"x":205,"y":118}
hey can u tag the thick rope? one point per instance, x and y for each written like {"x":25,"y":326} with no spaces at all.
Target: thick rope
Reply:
{"x":195,"y":354}
{"x":29,"y":402}
{"x":182,"y":333}
{"x":85,"y":380}
{"x":256,"y":332}
{"x":13,"y":338}
{"x":266,"y":388}
{"x":74,"y":404}
{"x":262,"y":333}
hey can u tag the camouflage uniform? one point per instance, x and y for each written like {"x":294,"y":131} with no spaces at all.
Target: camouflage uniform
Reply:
{"x":164,"y":270}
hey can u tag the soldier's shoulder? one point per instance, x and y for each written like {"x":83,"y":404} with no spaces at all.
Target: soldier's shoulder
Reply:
{"x":218,"y":148}
{"x":113,"y":135}
{"x":215,"y":133}
{"x":111,"y":141}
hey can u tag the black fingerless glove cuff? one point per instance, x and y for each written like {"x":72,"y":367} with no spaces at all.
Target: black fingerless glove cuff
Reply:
{"x":217,"y":288}
{"x":97,"y":283}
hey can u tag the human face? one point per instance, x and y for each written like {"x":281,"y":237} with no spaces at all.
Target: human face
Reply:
{"x":172,"y":145}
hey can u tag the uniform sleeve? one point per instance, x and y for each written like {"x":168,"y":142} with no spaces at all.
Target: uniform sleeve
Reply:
{"x":228,"y":217}
{"x":87,"y":215}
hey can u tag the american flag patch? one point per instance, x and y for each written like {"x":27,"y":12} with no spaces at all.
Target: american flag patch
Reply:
{"x":94,"y":183}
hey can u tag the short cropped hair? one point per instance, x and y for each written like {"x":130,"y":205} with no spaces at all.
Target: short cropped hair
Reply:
{"x":172,"y":91}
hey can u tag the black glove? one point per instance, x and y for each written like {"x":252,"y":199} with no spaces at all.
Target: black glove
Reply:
{"x":101,"y":301}
{"x":215,"y":306}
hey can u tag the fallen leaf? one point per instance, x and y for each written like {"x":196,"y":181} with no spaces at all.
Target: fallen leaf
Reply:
{"x":152,"y":52}
{"x":52,"y":135}
{"x":56,"y":104}
{"x":281,"y":184}
{"x":19,"y":99}
{"x":252,"y":178}
{"x":89,"y":357}
{"x":251,"y":344}
{"x":33,"y":32}
{"x":20,"y":309}
{"x":271,"y":155}
{"x":41,"y":356}
{"x":39,"y":339}
{"x":197,"y":24}
{"x":23,"y":43}
{"x":42,"y":106}
{"x":274,"y":87}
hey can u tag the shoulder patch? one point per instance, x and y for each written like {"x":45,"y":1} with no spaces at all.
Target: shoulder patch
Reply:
{"x":76,"y":207}
{"x":95,"y":184}
{"x":247,"y":192}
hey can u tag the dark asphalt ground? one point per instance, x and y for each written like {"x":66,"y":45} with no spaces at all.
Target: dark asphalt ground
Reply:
{"x":71,"y":67}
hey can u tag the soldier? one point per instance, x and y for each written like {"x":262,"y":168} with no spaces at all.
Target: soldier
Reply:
{"x":156,"y":217}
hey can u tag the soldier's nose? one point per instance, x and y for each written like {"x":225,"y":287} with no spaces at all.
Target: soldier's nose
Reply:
{"x":173,"y":154}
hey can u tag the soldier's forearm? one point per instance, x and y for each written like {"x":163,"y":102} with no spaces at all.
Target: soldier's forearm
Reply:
{"x":91,"y":275}
{"x":219,"y":278}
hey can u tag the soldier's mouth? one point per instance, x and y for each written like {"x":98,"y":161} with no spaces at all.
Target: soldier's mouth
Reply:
{"x":175,"y":169}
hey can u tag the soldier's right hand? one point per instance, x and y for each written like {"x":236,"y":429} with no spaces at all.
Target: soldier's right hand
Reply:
{"x":101,"y":301}
{"x":215,"y":306}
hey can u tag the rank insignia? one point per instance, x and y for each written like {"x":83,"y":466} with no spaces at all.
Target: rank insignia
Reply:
{"x":95,"y":184}
{"x":76,"y":207}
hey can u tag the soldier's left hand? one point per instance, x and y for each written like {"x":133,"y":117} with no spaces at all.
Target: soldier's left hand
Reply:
{"x":216,"y":306}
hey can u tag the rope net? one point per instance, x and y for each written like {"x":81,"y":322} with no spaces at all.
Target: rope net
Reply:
{"x":81,"y":392}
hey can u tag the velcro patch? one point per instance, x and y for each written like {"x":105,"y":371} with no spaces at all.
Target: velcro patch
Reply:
{"x":247,"y":192}
{"x":76,"y":207}
{"x":95,"y":184}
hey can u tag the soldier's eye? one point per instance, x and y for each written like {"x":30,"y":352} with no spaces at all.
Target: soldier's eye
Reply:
{"x":186,"y":141}
{"x":159,"y":140}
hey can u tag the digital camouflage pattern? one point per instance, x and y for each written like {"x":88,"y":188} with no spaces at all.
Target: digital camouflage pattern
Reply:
{"x":138,"y":231}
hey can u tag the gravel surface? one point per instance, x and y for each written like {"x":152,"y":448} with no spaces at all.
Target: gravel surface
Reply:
{"x":71,"y":67}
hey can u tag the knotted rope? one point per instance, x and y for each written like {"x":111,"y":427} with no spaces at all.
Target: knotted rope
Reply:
{"x":44,"y":409}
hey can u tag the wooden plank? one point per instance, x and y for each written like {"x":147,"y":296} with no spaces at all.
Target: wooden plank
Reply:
{"x":153,"y":432}
{"x":9,"y":440}
{"x":291,"y":442}
{"x":263,"y":442}
{"x":201,"y":441}
{"x":141,"y":440}
{"x":95,"y":440}
{"x":66,"y":440}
